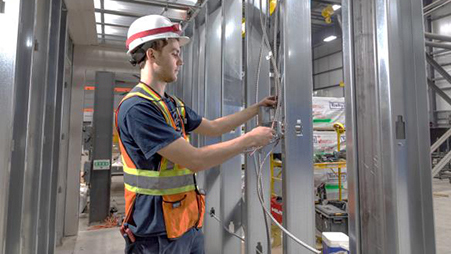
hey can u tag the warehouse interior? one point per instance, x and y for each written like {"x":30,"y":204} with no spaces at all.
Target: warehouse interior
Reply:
{"x":361,"y":165}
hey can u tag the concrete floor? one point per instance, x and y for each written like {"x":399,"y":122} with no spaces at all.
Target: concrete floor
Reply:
{"x":110,"y":241}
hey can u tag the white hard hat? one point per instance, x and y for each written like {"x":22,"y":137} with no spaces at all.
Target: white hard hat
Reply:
{"x":150,"y":28}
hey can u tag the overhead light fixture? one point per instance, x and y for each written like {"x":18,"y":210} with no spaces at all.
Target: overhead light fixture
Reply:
{"x":336,"y":7}
{"x":330,"y":38}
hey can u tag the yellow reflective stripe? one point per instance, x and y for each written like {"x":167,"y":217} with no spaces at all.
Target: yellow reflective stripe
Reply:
{"x":164,"y":164}
{"x":181,"y":105}
{"x":150,"y":92}
{"x":152,"y":173}
{"x":166,"y":115}
{"x":159,"y":192}
{"x":159,"y":101}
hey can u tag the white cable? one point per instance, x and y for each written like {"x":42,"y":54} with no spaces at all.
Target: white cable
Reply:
{"x":262,"y":202}
{"x":225,"y":228}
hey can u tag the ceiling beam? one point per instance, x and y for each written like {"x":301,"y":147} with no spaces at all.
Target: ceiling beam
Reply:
{"x":109,"y":24}
{"x":163,"y":4}
{"x":128,"y":14}
{"x":81,"y":21}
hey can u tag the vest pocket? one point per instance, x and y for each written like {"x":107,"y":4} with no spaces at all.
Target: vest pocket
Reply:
{"x":181,"y":213}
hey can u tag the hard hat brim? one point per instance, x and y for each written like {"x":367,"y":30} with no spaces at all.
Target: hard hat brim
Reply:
{"x":183,"y":40}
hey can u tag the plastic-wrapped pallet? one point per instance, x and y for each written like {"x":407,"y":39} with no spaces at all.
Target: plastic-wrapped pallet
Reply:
{"x":327,"y":111}
{"x":325,"y":142}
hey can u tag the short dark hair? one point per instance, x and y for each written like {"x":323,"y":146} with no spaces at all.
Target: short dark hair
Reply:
{"x":139,"y":55}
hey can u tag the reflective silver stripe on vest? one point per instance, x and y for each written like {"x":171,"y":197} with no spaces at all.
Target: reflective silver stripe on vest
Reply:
{"x":158,"y":183}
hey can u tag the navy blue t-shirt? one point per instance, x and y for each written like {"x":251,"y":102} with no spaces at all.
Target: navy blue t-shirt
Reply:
{"x":144,"y":131}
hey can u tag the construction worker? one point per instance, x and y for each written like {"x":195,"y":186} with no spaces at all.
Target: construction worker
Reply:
{"x":164,"y":208}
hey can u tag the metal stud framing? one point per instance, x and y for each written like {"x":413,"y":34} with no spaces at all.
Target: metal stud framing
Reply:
{"x":389,"y":168}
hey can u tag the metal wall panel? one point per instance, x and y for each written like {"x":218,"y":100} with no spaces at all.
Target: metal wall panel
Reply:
{"x":391,"y":130}
{"x":254,"y":226}
{"x":194,"y":75}
{"x":50,"y":150}
{"x":298,"y":210}
{"x":187,"y":68}
{"x":63,"y":78}
{"x":351,"y":135}
{"x":202,"y":19}
{"x":14,"y":82}
{"x":27,"y":177}
{"x":64,"y":147}
{"x":213,"y":98}
{"x":232,"y":101}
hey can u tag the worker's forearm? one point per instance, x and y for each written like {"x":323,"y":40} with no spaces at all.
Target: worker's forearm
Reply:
{"x":212,"y":155}
{"x":228,"y":123}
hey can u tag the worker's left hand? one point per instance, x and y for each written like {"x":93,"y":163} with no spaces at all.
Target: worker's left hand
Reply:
{"x":270,"y":101}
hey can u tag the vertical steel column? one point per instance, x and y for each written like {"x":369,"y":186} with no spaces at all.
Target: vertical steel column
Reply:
{"x":50,"y":150}
{"x":15,"y":82}
{"x":255,"y":230}
{"x":232,"y":101}
{"x":64,"y":144}
{"x":60,"y":87}
{"x":351,"y":135}
{"x":102,"y":147}
{"x":195,"y":75}
{"x":297,"y":183}
{"x":202,"y":21}
{"x":187,"y":68}
{"x":74,"y":143}
{"x":390,"y":130}
{"x":24,"y":200}
{"x":213,"y":98}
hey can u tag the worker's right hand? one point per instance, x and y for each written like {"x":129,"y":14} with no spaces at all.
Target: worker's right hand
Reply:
{"x":260,"y":136}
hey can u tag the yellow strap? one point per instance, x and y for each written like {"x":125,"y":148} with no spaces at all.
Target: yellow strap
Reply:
{"x":166,"y":115}
{"x":153,"y":173}
{"x":159,"y":192}
{"x":158,"y":100}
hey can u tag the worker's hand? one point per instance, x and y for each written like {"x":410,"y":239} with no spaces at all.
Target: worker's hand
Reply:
{"x":260,"y":136}
{"x":270,"y":101}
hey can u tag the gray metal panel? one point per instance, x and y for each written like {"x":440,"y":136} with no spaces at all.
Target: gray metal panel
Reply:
{"x":255,"y":230}
{"x":213,"y":98}
{"x":58,"y":125}
{"x":14,"y":76}
{"x":232,"y":101}
{"x":187,"y":68}
{"x":298,"y":210}
{"x":46,"y":226}
{"x":351,"y":131}
{"x":393,"y":161}
{"x":195,"y":70}
{"x":201,"y":84}
{"x":25,"y":193}
{"x":102,"y":146}
{"x":64,"y":149}
{"x":74,"y":143}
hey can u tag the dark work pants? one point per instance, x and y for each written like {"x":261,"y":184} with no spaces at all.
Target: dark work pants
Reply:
{"x":192,"y":242}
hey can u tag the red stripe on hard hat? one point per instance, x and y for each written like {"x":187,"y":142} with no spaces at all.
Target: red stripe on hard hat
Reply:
{"x":174,"y":28}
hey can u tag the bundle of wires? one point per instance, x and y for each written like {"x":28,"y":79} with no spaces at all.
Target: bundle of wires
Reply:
{"x":277,"y":119}
{"x":259,"y":166}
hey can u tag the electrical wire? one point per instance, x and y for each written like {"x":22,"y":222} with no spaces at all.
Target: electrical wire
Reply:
{"x":258,"y":168}
{"x":225,"y":228}
{"x":262,"y":202}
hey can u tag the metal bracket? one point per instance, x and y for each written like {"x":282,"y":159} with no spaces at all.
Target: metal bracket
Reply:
{"x":298,"y":128}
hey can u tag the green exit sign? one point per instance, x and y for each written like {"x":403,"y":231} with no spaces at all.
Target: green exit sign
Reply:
{"x":101,"y":164}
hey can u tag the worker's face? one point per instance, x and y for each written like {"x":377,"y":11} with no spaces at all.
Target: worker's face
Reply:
{"x":167,"y":62}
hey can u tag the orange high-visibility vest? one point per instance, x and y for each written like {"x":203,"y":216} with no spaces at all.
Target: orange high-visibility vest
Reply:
{"x":183,"y":206}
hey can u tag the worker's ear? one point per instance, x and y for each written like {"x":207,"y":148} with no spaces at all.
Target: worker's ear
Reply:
{"x":150,"y":53}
